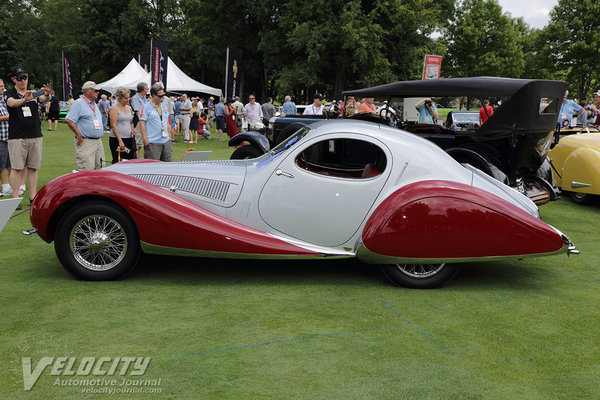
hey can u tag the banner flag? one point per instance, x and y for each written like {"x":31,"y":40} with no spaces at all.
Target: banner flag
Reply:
{"x":67,"y":82}
{"x":432,"y":67}
{"x":232,"y":73}
{"x":144,"y":61}
{"x":159,"y":55}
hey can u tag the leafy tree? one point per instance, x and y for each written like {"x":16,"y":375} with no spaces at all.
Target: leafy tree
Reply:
{"x":572,"y":42}
{"x":483,"y":41}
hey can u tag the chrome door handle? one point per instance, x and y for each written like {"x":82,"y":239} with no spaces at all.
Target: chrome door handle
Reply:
{"x":279,"y":172}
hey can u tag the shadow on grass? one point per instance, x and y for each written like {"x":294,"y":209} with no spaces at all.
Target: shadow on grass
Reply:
{"x":490,"y":275}
{"x":350,"y":272}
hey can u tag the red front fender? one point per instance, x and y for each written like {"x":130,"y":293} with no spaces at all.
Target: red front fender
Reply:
{"x":161,"y":217}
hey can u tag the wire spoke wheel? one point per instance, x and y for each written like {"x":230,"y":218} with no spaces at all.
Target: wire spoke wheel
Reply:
{"x":420,"y":276}
{"x":420,"y":270}
{"x":98,"y":242}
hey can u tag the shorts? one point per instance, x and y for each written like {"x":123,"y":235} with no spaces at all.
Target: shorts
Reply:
{"x":139,"y":139}
{"x":53,"y":116}
{"x":25,"y":153}
{"x":178,"y":119}
{"x":4,"y":158}
{"x":158,"y":151}
{"x":90,"y":155}
{"x":220,"y":122}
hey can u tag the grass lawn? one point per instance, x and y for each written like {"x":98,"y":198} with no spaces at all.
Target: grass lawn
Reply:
{"x":228,"y":329}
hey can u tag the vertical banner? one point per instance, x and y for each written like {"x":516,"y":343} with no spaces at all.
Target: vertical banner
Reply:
{"x":67,"y":82}
{"x":232,"y":73}
{"x":144,"y":61}
{"x":432,"y":67}
{"x":158,"y":62}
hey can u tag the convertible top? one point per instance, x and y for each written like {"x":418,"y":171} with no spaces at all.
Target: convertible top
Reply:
{"x":482,"y":86}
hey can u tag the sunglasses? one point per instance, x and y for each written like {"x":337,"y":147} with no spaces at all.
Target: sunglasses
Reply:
{"x":22,"y":78}
{"x":161,"y":95}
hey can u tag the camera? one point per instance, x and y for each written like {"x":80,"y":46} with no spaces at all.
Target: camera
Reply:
{"x":427,"y":103}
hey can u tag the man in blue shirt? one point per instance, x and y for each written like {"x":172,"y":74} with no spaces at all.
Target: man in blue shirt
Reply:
{"x":154,"y":124}
{"x":567,"y":110}
{"x":289,"y":107}
{"x":220,"y":118}
{"x":428,"y":113}
{"x":177,"y":114}
{"x":137,"y":102}
{"x":85,"y":120}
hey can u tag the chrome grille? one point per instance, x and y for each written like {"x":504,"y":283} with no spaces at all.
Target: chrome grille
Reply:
{"x":210,"y":188}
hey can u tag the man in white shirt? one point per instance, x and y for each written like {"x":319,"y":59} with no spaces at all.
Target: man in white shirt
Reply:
{"x":253,"y":114}
{"x":316,"y":108}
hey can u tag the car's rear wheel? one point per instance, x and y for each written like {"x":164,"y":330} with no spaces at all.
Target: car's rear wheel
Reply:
{"x":581,"y":198}
{"x":97,"y":240}
{"x":420,"y":276}
{"x":244,"y":152}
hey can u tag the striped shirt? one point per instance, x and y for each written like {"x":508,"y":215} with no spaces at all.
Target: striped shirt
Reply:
{"x":3,"y":124}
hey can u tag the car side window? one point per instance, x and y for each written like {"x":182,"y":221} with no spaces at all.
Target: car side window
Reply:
{"x":343,"y":158}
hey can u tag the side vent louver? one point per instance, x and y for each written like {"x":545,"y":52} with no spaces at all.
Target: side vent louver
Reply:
{"x":212,"y":189}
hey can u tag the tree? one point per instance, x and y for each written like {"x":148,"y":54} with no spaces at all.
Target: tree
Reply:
{"x":572,"y":42}
{"x":483,"y":41}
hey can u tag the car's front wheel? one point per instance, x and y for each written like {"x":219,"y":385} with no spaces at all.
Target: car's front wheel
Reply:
{"x":420,"y":276}
{"x":97,"y":240}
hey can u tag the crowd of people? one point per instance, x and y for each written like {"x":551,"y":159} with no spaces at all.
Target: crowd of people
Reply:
{"x":150,"y":121}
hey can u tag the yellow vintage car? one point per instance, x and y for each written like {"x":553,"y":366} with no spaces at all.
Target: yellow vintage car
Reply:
{"x":575,"y":162}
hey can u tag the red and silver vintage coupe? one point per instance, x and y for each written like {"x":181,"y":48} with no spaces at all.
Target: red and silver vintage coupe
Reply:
{"x":335,"y":189}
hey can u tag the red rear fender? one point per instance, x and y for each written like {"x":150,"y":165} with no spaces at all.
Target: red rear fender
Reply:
{"x":445,"y":220}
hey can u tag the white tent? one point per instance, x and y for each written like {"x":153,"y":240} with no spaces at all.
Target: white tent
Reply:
{"x":133,"y":72}
{"x":177,"y":81}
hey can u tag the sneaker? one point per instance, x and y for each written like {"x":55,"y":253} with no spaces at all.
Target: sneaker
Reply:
{"x":19,"y":207}
{"x":22,"y":189}
{"x":6,"y":192}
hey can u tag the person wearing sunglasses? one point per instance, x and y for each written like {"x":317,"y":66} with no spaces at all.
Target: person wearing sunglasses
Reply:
{"x":154,"y":124}
{"x":85,"y":120}
{"x":24,"y":132}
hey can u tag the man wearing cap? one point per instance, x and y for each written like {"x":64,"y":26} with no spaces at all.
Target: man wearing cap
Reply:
{"x":85,"y":120}
{"x":154,"y":126}
{"x":317,"y":106}
{"x":24,"y":132}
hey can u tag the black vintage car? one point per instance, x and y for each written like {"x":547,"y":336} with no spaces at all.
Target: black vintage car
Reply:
{"x":510,"y":146}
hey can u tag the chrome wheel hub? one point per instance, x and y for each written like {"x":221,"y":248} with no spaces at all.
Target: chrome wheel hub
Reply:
{"x":98,"y":242}
{"x":420,"y":271}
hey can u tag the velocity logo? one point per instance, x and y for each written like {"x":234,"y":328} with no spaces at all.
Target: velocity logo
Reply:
{"x":85,"y":366}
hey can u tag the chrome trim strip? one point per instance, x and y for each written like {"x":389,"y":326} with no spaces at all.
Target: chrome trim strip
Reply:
{"x":172,"y":251}
{"x":368,"y":256}
{"x":577,"y":185}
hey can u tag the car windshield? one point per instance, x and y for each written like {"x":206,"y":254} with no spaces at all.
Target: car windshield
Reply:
{"x":460,"y":118}
{"x":289,"y":142}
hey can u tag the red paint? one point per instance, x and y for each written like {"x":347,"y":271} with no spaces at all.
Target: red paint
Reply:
{"x":162,"y":218}
{"x":441,"y":219}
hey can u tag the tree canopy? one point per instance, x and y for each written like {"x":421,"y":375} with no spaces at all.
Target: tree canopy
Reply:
{"x":300,"y":48}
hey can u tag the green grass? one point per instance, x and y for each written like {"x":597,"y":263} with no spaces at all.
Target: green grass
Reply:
{"x":223,"y":329}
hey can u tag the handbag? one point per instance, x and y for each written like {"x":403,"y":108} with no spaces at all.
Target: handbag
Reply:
{"x":136,"y":119}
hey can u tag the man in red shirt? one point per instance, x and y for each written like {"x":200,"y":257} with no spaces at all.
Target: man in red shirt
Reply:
{"x":485,"y":112}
